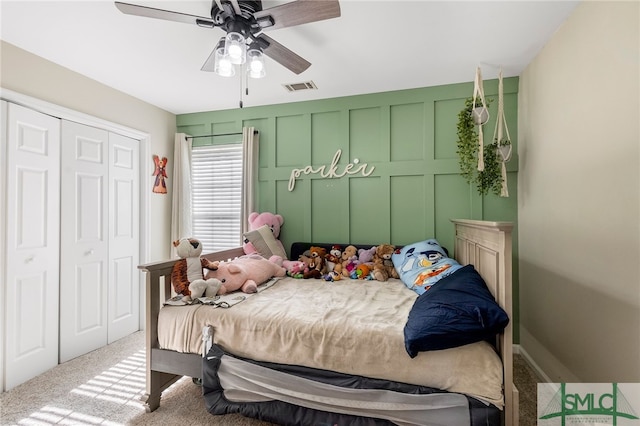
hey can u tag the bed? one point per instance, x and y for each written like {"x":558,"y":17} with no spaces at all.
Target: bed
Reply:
{"x":299,"y":379}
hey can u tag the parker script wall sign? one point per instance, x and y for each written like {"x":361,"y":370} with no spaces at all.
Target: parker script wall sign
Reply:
{"x":332,"y":172}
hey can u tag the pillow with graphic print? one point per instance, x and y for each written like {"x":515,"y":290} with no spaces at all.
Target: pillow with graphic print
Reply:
{"x":265,"y":243}
{"x":422,"y":264}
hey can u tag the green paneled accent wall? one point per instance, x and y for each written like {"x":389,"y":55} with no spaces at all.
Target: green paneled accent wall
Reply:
{"x":408,"y":137}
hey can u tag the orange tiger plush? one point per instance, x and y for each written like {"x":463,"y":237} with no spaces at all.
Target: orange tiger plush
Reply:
{"x":187,"y":276}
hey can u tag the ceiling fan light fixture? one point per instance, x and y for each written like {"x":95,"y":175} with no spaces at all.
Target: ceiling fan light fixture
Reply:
{"x":222,"y":65}
{"x":255,"y":59}
{"x":236,"y":48}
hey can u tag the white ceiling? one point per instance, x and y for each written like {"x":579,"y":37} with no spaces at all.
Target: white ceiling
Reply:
{"x":374,"y":46}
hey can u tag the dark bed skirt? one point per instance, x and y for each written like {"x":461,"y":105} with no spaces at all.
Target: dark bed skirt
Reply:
{"x":287,"y":414}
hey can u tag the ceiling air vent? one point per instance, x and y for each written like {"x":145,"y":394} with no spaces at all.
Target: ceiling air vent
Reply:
{"x":296,"y":87}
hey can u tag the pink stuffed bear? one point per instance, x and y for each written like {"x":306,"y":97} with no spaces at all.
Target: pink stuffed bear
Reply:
{"x":273,"y":221}
{"x":245,"y":273}
{"x":256,"y":220}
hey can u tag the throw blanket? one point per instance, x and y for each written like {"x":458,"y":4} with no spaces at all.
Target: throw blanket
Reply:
{"x":223,"y":301}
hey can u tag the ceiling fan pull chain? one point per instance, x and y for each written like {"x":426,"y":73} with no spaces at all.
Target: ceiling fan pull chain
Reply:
{"x":241,"y":86}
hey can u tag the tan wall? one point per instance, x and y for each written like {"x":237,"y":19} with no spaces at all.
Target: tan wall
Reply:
{"x":579,"y":198}
{"x":34,"y":76}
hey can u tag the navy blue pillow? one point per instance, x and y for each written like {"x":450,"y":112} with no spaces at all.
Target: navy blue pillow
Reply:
{"x":458,"y":310}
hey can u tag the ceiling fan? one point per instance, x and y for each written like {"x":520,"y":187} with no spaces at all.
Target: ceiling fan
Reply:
{"x":245,"y":22}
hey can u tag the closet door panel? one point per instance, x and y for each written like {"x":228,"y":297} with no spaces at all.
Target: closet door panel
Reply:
{"x":32,"y":244}
{"x":3,"y":213}
{"x":84,"y":240}
{"x":124,"y":277}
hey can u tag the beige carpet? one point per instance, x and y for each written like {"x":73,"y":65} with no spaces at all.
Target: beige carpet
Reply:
{"x":104,"y":387}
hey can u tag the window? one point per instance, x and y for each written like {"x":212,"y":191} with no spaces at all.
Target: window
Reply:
{"x":216,"y":181}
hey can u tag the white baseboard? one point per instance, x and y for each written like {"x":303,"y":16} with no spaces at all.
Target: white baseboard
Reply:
{"x":546,"y":365}
{"x":517,"y":349}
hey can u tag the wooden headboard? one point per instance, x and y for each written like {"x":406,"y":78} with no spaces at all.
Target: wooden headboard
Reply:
{"x":487,"y":246}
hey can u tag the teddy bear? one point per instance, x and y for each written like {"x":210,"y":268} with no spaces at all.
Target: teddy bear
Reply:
{"x":256,"y":220}
{"x":383,"y":268}
{"x":187,"y":274}
{"x":333,"y":259}
{"x":245,"y":273}
{"x":273,"y":222}
{"x":349,"y":260}
{"x":317,"y":267}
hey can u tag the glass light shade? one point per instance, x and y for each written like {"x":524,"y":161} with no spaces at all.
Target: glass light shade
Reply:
{"x":236,"y":47}
{"x":222,"y":65}
{"x":256,"y":68}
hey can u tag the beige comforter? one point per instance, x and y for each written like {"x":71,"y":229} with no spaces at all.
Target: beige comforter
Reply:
{"x":349,"y":326}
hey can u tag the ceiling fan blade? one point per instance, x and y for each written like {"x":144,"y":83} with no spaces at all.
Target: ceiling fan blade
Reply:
{"x":167,"y":15}
{"x":284,"y":56}
{"x":209,"y":64}
{"x":299,"y":12}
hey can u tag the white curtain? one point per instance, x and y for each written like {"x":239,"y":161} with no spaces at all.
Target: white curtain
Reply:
{"x":181,"y":207}
{"x":250,"y":174}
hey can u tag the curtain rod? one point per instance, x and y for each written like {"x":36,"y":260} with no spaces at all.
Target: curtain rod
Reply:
{"x":255,"y":132}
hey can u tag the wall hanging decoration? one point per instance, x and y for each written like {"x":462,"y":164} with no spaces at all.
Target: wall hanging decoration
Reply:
{"x":332,"y":172}
{"x":159,"y":185}
{"x":501,"y":139}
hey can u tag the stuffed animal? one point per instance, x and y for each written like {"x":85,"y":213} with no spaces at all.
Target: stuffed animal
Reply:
{"x":366,"y":256}
{"x":333,"y":259}
{"x":362,"y":272}
{"x":317,"y":267}
{"x":349,"y":260}
{"x":332,"y":276}
{"x":187,"y":273}
{"x":256,"y":220}
{"x":245,"y":273}
{"x":305,"y":258}
{"x":270,"y":246}
{"x":296,"y":268}
{"x":383,"y":268}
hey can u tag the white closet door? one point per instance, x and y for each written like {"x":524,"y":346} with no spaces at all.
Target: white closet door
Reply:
{"x":32,"y":244}
{"x":84,"y":240}
{"x":124,"y":201}
{"x":3,"y":214}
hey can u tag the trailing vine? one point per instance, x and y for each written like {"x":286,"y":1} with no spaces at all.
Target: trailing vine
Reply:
{"x":490,"y":179}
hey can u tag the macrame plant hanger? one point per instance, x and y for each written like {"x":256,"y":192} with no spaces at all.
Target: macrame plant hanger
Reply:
{"x":480,"y":115}
{"x":504,"y":151}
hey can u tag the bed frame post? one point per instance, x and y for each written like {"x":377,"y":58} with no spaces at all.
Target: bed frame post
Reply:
{"x":156,"y":381}
{"x":166,"y":367}
{"x":487,"y":246}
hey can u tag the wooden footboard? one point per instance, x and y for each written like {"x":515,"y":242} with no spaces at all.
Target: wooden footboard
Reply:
{"x":487,"y":246}
{"x":164,"y":367}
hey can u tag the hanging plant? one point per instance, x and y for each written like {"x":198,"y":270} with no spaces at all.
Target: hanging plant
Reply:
{"x":501,"y":139}
{"x":489,"y":179}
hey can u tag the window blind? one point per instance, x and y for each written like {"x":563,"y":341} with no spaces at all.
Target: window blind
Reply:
{"x":216,"y":180}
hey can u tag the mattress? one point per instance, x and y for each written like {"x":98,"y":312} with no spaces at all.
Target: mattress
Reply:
{"x":352,"y":327}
